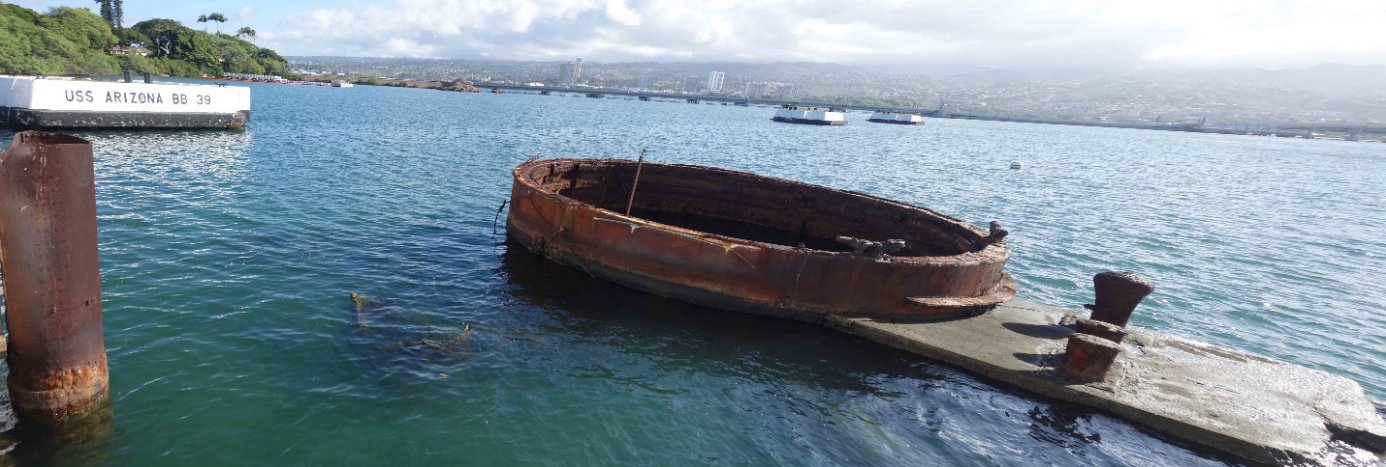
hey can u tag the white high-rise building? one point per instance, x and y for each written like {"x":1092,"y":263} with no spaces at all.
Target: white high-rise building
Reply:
{"x":567,"y":74}
{"x":756,"y":90}
{"x":714,"y":81}
{"x":786,"y":90}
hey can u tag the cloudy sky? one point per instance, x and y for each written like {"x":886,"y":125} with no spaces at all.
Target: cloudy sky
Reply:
{"x":1009,"y":33}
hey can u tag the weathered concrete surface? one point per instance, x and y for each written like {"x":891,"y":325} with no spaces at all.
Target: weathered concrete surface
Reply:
{"x":1250,"y":406}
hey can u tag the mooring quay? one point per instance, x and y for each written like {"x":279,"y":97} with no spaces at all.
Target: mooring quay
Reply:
{"x":1260,"y":409}
{"x":1303,"y":130}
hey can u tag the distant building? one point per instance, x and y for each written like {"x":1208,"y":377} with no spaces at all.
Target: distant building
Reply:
{"x":644,"y":83}
{"x":756,"y":90}
{"x":691,"y":84}
{"x":567,"y":74}
{"x":577,"y":71}
{"x":127,"y":50}
{"x":714,"y":81}
{"x":786,"y":90}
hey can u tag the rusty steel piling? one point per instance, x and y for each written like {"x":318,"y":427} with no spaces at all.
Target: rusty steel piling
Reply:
{"x":1118,"y":293}
{"x":48,"y":257}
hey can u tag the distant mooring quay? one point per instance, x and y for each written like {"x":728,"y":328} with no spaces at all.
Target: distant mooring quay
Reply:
{"x":1297,"y":130}
{"x":928,"y":284}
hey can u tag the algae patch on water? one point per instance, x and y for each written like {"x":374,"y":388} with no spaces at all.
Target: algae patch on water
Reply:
{"x":371,"y":316}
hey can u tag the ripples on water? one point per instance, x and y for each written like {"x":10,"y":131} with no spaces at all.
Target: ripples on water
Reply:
{"x":227,"y":259}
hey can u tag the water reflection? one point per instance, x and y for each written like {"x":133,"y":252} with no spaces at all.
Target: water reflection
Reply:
{"x":844,"y":385}
{"x":205,"y":154}
{"x":591,"y":311}
{"x":81,"y":441}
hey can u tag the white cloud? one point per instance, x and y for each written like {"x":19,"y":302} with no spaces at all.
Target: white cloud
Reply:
{"x":1077,"y":33}
{"x":620,"y":13}
{"x":246,"y":13}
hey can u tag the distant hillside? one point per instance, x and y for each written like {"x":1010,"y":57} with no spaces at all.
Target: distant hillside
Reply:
{"x":426,"y":68}
{"x":1321,"y":94}
{"x":73,"y":41}
{"x":1337,"y":81}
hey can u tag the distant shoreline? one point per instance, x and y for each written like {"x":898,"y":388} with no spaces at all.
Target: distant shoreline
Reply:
{"x":454,"y":85}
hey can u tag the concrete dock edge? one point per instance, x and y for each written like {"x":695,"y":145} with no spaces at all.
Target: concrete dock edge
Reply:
{"x":1256,"y":408}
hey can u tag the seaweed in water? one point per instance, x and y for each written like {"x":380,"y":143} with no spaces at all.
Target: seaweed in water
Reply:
{"x":451,"y":345}
{"x":365,"y":302}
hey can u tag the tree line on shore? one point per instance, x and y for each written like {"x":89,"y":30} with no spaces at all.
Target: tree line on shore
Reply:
{"x":75,"y":41}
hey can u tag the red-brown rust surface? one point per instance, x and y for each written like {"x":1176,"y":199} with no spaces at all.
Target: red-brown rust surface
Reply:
{"x":48,"y":253}
{"x":947,"y":270}
{"x":1088,"y":357}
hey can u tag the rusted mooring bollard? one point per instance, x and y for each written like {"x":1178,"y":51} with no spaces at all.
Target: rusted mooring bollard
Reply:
{"x":1094,"y":348}
{"x":1102,"y":329}
{"x":1089,"y":357}
{"x":1118,"y":293}
{"x":48,"y":257}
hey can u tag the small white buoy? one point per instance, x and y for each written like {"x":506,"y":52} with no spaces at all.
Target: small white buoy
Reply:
{"x":1016,"y":165}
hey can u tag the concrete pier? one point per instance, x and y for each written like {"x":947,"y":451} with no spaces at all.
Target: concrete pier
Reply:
{"x":1260,"y":409}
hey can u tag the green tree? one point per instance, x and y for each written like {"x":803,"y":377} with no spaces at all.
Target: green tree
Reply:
{"x":118,"y":14}
{"x":82,"y":27}
{"x":162,"y":34}
{"x":113,"y":11}
{"x":219,"y":18}
{"x":105,"y":11}
{"x":198,"y":49}
{"x":247,"y":32}
{"x":131,"y":37}
{"x":72,"y":41}
{"x":63,"y":41}
{"x":269,"y":54}
{"x":203,"y":19}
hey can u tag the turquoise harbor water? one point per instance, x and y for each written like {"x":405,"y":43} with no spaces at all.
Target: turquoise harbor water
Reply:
{"x":227,"y":259}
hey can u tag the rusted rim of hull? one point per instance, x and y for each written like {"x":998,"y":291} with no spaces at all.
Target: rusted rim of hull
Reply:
{"x":1004,"y":291}
{"x":960,"y":275}
{"x":992,"y":252}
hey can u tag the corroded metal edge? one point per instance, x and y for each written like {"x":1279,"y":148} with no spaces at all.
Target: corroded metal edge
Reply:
{"x":1004,"y":291}
{"x":753,"y":276}
{"x":62,"y":396}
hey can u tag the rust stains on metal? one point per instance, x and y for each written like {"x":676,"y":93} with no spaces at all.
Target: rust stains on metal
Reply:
{"x":744,"y":242}
{"x":1088,"y":357}
{"x":1118,"y":294}
{"x":48,"y":252}
{"x":1102,"y":329}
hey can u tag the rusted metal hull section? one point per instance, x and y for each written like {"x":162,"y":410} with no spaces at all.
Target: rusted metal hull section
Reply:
{"x":748,"y":243}
{"x":48,"y":253}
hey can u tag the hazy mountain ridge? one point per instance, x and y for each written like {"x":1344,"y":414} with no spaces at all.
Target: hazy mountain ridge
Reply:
{"x":1324,"y":93}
